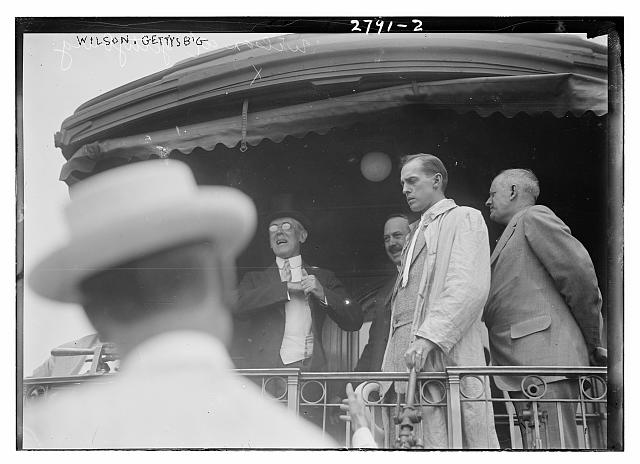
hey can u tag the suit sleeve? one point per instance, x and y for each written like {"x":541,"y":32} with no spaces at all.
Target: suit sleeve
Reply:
{"x":256,"y":293}
{"x":569,"y":265}
{"x":378,"y":332}
{"x":345,"y":311}
{"x":364,"y":363}
{"x":466,"y":285}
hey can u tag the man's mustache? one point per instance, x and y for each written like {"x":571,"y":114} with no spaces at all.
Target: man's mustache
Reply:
{"x":394,"y":249}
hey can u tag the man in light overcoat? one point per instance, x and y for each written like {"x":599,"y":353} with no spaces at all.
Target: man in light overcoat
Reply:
{"x":438,"y":301}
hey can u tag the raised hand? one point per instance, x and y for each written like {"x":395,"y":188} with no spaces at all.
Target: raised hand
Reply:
{"x":311,"y":285}
{"x":354,"y":408}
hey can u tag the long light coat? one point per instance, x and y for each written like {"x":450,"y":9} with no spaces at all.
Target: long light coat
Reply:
{"x":451,"y":290}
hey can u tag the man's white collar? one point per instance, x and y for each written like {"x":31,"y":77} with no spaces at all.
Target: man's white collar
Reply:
{"x":440,"y":207}
{"x":294,"y":261}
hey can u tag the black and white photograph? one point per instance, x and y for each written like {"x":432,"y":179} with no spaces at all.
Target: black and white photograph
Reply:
{"x":319,"y":233}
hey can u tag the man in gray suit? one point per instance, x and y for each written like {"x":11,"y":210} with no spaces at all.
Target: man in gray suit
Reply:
{"x":544,"y":303}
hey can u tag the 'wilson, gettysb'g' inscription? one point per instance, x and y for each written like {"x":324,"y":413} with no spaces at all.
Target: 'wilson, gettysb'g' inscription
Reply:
{"x":166,"y":40}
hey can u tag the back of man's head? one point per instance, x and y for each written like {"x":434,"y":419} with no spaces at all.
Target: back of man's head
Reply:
{"x":151,"y":284}
{"x":149,"y":251}
{"x":184,"y":287}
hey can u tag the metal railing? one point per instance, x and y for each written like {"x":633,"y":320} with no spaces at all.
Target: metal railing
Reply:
{"x":317,"y":396}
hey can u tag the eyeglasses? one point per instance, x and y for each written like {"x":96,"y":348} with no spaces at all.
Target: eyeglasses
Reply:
{"x":284,"y":226}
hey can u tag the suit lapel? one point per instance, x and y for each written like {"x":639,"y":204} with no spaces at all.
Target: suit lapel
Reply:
{"x":272,"y":274}
{"x":440,"y":210}
{"x":316,"y":321}
{"x":420,"y":244}
{"x":506,"y":235}
{"x":504,"y":238}
{"x":405,"y":251}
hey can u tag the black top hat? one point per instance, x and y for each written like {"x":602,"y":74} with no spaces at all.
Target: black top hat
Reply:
{"x":290,"y":213}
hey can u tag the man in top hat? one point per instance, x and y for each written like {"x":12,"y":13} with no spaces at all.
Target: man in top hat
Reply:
{"x":151,"y":260}
{"x":285,"y":305}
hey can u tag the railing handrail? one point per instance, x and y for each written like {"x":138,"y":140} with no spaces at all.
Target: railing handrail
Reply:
{"x":518,"y":370}
{"x":68,"y":379}
{"x":364,"y":376}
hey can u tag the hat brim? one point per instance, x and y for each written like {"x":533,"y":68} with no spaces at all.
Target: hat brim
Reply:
{"x":297,"y":215}
{"x":221,"y":214}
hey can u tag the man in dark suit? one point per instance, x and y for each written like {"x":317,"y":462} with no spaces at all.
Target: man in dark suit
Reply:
{"x":284,"y":306}
{"x":396,"y":229}
{"x":544,"y":303}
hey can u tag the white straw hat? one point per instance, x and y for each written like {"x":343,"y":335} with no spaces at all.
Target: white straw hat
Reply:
{"x":135,"y":210}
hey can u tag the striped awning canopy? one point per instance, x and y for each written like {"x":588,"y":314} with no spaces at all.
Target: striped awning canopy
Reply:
{"x":297,"y":84}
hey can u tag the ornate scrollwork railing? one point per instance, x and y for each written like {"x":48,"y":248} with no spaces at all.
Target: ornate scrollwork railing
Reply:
{"x":317,"y":396}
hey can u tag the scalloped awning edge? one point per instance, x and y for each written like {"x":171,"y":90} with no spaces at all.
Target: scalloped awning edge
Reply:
{"x":558,"y":94}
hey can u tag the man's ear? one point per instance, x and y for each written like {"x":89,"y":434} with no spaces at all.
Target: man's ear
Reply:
{"x":303,"y":235}
{"x":513,"y":192}
{"x":437,"y":180}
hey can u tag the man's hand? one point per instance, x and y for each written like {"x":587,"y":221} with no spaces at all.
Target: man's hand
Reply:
{"x":311,"y":285}
{"x":294,"y":287}
{"x":353,"y":405}
{"x":418,"y":352}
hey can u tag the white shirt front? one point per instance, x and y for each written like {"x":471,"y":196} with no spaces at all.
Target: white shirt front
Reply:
{"x":297,"y":341}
